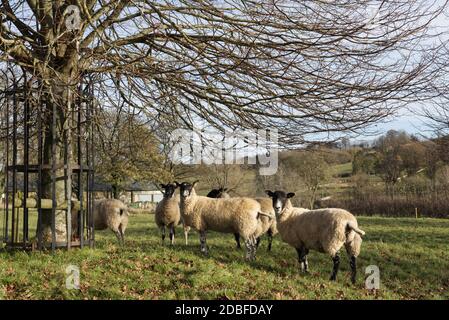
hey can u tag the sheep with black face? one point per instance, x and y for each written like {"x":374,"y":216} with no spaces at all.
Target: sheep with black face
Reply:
{"x":231,"y":215}
{"x":324,"y":230}
{"x":167,"y":214}
{"x":219,"y":193}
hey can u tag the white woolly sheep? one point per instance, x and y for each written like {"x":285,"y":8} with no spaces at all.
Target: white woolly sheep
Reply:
{"x":107,"y":213}
{"x":112,"y":214}
{"x":323,"y":230}
{"x":167,"y":214}
{"x":266,"y":225}
{"x":232,"y":215}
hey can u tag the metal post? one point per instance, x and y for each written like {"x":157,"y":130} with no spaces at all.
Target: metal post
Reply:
{"x":68,"y":167}
{"x":80,"y":168}
{"x":53,"y":179}
{"x":89,"y":147}
{"x":92,"y":166}
{"x":14,"y":164}
{"x":25,"y":159}
{"x":7,"y":164}
{"x":39,"y":173}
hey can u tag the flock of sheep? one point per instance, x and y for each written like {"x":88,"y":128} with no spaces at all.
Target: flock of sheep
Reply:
{"x":323,"y":230}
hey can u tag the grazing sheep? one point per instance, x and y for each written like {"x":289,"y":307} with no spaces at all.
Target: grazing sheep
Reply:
{"x":232,"y":215}
{"x":267,"y":225}
{"x":107,"y":213}
{"x":112,"y":214}
{"x":323,"y":230}
{"x":167,"y":213}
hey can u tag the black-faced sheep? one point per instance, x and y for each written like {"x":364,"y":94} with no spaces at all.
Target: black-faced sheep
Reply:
{"x":232,"y":215}
{"x":219,"y":193}
{"x":267,"y":225}
{"x":167,"y":214}
{"x":323,"y":230}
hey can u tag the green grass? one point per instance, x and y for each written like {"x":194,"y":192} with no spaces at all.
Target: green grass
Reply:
{"x":413,"y":257}
{"x":341,"y":169}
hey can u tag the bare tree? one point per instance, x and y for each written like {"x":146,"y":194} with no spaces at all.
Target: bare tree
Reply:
{"x":305,"y":67}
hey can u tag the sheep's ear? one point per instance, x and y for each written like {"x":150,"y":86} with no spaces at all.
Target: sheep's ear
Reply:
{"x":162,"y":185}
{"x":225,"y":189}
{"x":269,"y":193}
{"x":194,"y":183}
{"x":177,"y":184}
{"x":290,"y":195}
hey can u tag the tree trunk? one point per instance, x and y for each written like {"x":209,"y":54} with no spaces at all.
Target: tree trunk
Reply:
{"x":55,"y":148}
{"x":47,"y":175}
{"x":115,"y":191}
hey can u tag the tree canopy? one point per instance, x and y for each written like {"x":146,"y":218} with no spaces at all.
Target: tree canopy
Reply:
{"x":304,"y":67}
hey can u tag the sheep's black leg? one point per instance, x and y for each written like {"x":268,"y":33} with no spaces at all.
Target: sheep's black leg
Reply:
{"x":302,"y":258}
{"x":306,"y":263}
{"x":203,"y":242}
{"x":353,"y":265}
{"x":172,"y":234}
{"x":257,"y":242}
{"x":336,"y":260}
{"x":237,"y":240}
{"x":163,"y":233}
{"x":270,"y":239}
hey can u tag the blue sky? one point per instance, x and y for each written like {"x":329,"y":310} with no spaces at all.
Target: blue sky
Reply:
{"x":408,"y":122}
{"x":404,"y":120}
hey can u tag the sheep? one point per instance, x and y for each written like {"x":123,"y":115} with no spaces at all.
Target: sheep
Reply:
{"x":107,"y":213}
{"x":267,"y":222}
{"x":112,"y":214}
{"x":218,"y":193}
{"x":267,"y":225}
{"x":324,"y":230}
{"x":167,"y":213}
{"x":222,"y":193}
{"x":232,"y":215}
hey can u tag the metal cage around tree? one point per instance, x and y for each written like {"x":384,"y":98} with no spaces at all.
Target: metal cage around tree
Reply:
{"x":28,"y":167}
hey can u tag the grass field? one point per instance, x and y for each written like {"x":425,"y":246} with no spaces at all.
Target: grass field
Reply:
{"x":412,"y":255}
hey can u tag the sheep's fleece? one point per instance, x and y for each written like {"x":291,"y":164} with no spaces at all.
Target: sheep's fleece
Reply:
{"x":324,"y":230}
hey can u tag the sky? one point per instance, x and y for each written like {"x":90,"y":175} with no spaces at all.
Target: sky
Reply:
{"x":405,"y":120}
